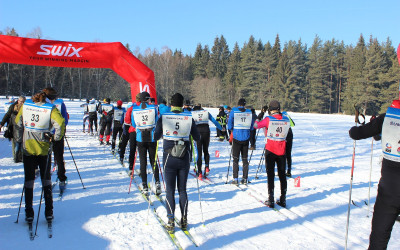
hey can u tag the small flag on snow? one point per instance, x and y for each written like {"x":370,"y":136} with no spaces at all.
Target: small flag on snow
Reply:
{"x":217,"y":153}
{"x":297,"y":182}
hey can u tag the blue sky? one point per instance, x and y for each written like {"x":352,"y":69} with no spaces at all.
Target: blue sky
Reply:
{"x":183,"y":24}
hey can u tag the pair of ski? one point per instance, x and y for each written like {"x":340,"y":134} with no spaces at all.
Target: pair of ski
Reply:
{"x":33,"y":235}
{"x":205,"y":179}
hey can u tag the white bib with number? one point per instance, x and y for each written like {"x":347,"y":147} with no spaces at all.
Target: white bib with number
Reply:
{"x":144,"y":118}
{"x":200,"y":116}
{"x":118,"y":113}
{"x":242,"y":120}
{"x":107,"y":107}
{"x":278,"y":129}
{"x":391,"y":135}
{"x":176,"y":126}
{"x":37,"y":118}
{"x":92,"y":107}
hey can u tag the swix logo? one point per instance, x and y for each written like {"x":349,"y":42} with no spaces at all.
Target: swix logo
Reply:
{"x":56,"y":50}
{"x":146,"y":87}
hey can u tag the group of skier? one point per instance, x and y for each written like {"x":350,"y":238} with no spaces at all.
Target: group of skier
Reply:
{"x":39,"y":128}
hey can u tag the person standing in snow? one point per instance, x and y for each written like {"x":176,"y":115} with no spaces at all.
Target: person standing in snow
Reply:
{"x":387,"y":205}
{"x":92,"y":110}
{"x":144,"y":119}
{"x":201,"y":117}
{"x":85,"y":115}
{"x":107,"y":112}
{"x":37,"y":118}
{"x":241,"y":123}
{"x":58,"y":146}
{"x":277,"y":127}
{"x":9,"y":118}
{"x":253,"y":132}
{"x":118,"y":121}
{"x":176,"y":127}
{"x":222,"y":118}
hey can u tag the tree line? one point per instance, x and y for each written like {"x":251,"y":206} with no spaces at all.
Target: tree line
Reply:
{"x":328,"y":77}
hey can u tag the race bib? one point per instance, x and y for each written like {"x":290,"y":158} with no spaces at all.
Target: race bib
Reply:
{"x":107,"y":107}
{"x":242,"y":120}
{"x":118,"y":113}
{"x":144,"y":118}
{"x":278,"y":129}
{"x":391,"y":135}
{"x":200,"y":117}
{"x":92,"y":107}
{"x":176,"y":126}
{"x":37,"y":118}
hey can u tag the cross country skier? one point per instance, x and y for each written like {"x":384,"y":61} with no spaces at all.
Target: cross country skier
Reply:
{"x":37,"y":122}
{"x":176,"y":127}
{"x":9,"y":118}
{"x":277,"y":127}
{"x":201,"y":117}
{"x":241,"y":123}
{"x":144,"y":119}
{"x":118,"y":121}
{"x":387,"y":205}
{"x":92,"y":110}
{"x":129,"y":135}
{"x":58,"y":146}
{"x":85,"y":115}
{"x":253,"y":132}
{"x":222,"y":119}
{"x":107,"y":111}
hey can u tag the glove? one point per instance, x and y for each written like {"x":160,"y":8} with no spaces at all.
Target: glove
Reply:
{"x":49,"y":136}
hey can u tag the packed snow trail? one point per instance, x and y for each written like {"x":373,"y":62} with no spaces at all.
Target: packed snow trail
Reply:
{"x":104,"y":215}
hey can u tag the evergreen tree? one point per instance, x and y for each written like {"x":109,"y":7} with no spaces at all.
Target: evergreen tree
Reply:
{"x":233,"y":76}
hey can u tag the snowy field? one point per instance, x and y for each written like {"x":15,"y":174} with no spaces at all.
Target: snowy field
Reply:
{"x":105,"y":216}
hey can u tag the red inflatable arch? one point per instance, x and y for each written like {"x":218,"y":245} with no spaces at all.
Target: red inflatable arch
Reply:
{"x":114,"y":56}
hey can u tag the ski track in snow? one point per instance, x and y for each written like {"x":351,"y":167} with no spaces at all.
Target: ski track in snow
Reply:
{"x":105,"y":216}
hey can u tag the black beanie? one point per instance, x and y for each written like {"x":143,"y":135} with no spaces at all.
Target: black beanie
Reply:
{"x":144,"y":96}
{"x":108,"y":100}
{"x":242,"y":102}
{"x":177,"y":100}
{"x":274,"y":105}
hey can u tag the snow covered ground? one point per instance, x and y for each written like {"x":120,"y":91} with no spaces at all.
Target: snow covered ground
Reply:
{"x":104,"y":215}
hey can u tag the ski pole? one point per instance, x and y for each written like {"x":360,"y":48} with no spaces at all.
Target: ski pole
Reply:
{"x":227,"y":174}
{"x":44,"y":176}
{"x":159,"y":167}
{"x":253,"y":149}
{"x":197,"y":180}
{"x":351,"y":175}
{"x":259,"y":164}
{"x":20,"y":203}
{"x":133,"y":171}
{"x":77,"y":170}
{"x":370,"y":172}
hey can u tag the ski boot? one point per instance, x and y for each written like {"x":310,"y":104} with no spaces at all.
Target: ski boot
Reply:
{"x":244,"y":181}
{"x":206,"y":171}
{"x":158,"y":188}
{"x":62,"y":185}
{"x":235,"y":181}
{"x":184,"y":223}
{"x":101,"y":143}
{"x":145,"y":189}
{"x":29,"y":215}
{"x":170,"y":225}
{"x":270,"y":202}
{"x":282,"y":200}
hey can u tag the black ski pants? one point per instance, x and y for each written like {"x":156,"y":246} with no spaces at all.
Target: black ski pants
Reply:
{"x":92,"y":121}
{"x":289,"y":144}
{"x":58,"y":149}
{"x":253,"y":138}
{"x":176,"y":173}
{"x":202,"y":147}
{"x":143,"y":148}
{"x":30,"y":165}
{"x":117,"y":131}
{"x":387,"y":205}
{"x":280,"y":160}
{"x":240,"y":147}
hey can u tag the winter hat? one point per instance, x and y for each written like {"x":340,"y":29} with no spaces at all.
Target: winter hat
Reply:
{"x":177,"y":100}
{"x":187,"y":103}
{"x":108,"y":100}
{"x":197,"y":107}
{"x":274,"y":105}
{"x":50,"y":92}
{"x":242,"y":102}
{"x":119,"y":103}
{"x":144,"y":96}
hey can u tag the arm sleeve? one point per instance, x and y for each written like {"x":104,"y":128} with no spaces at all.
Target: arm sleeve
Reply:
{"x":158,"y":130}
{"x":7,"y":116}
{"x":64,"y":113}
{"x":230,"y":120}
{"x":58,"y":123}
{"x":370,"y":129}
{"x":214,"y":121}
{"x":128,"y":116}
{"x":261,"y":124}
